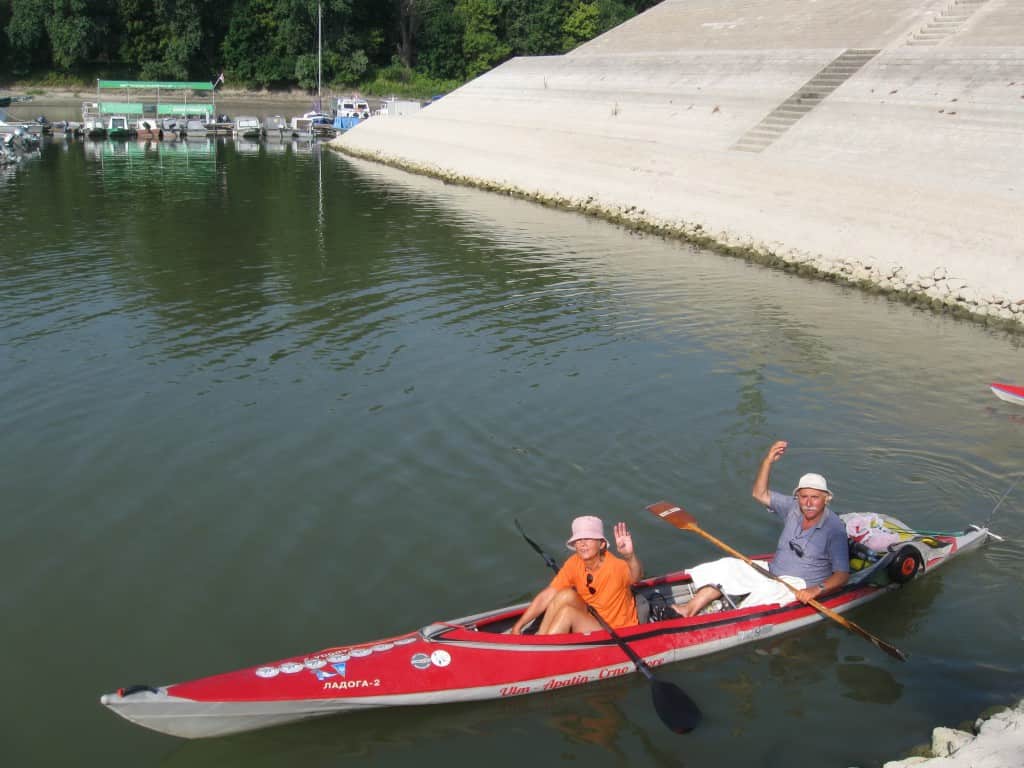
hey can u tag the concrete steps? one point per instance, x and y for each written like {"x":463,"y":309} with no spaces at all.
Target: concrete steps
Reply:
{"x":950,"y":20}
{"x":806,"y":98}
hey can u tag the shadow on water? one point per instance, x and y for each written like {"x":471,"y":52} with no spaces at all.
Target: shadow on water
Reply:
{"x":565,"y":725}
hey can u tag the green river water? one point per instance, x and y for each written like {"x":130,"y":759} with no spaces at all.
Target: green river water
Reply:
{"x":260,"y":400}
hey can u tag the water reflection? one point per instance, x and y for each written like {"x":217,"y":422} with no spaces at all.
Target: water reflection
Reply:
{"x":868,"y":683}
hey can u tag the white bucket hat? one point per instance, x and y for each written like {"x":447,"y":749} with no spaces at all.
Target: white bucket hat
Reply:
{"x":586,"y":527}
{"x":815,"y":481}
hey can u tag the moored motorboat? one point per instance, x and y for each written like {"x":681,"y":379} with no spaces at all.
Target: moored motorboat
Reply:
{"x":248,"y":127}
{"x":474,"y":657}
{"x":117,"y":127}
{"x":350,"y":111}
{"x":1008,"y":392}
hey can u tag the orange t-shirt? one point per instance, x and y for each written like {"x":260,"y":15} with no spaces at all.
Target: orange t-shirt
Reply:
{"x":612,"y":597}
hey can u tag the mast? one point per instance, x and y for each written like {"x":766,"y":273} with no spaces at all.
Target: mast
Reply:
{"x":319,"y":53}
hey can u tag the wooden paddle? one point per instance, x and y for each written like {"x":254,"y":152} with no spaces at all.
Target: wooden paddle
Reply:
{"x":684,"y":521}
{"x":676,"y":710}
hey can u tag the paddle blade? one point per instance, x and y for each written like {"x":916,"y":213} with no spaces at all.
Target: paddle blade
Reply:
{"x":675,"y":514}
{"x":676,"y":710}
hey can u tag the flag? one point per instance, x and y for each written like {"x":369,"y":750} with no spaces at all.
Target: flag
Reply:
{"x":220,"y":79}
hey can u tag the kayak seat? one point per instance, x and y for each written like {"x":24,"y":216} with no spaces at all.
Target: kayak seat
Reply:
{"x":643,"y":607}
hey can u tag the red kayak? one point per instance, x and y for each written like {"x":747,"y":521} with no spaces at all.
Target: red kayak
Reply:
{"x":473,"y":657}
{"x":1008,"y":392}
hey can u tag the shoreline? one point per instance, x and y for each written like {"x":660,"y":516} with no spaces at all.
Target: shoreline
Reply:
{"x":933,"y":296}
{"x":996,"y":740}
{"x":73,"y":97}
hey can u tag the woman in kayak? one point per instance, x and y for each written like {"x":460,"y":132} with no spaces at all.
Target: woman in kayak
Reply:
{"x":592,"y":576}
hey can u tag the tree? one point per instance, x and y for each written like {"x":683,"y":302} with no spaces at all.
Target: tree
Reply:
{"x":481,"y":46}
{"x":587,"y":20}
{"x":409,"y":24}
{"x":534,"y":27}
{"x":26,"y":31}
{"x":73,"y":33}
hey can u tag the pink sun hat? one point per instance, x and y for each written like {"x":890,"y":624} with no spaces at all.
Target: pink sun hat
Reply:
{"x":586,"y":527}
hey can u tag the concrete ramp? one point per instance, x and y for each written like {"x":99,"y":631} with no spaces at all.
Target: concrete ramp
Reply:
{"x":822,"y":137}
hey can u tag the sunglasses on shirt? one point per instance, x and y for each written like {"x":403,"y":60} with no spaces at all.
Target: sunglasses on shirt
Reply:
{"x":590,"y":580}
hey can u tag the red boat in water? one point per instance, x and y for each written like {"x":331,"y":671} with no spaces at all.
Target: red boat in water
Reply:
{"x":1008,"y":392}
{"x":473,"y":658}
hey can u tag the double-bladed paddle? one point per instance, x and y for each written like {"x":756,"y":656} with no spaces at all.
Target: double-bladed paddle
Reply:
{"x":684,"y":521}
{"x":676,"y":710}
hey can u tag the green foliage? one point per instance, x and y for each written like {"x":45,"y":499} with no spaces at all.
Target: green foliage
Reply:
{"x":26,"y":31}
{"x":587,"y":20}
{"x":582,"y":24}
{"x":440,"y":51}
{"x":273,"y":43}
{"x":350,"y":69}
{"x":398,"y":80}
{"x":482,"y":49}
{"x":534,"y":28}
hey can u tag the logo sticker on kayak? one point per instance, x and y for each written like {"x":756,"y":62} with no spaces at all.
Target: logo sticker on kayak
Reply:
{"x":314,"y":663}
{"x":267,"y":672}
{"x":440,"y":658}
{"x":291,"y":667}
{"x":339,"y":656}
{"x":420,"y":661}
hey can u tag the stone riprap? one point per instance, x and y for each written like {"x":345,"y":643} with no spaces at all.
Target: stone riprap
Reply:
{"x":874,"y":143}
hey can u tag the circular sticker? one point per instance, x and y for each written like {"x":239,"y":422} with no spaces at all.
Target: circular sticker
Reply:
{"x":267,"y":671}
{"x":440,"y":658}
{"x":420,"y":661}
{"x":291,"y":667}
{"x":314,"y":663}
{"x":360,"y":652}
{"x":339,"y":656}
{"x":405,"y":640}
{"x":383,"y":646}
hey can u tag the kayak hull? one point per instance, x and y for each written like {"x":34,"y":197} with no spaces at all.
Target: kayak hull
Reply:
{"x":473,"y":658}
{"x":1008,"y":392}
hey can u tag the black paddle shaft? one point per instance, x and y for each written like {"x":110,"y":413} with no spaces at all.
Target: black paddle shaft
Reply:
{"x":675,"y":708}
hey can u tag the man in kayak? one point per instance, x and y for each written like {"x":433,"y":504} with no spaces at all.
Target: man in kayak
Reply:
{"x":813,"y":552}
{"x":591,"y":576}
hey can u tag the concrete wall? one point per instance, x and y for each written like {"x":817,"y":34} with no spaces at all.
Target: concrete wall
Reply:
{"x":749,"y":126}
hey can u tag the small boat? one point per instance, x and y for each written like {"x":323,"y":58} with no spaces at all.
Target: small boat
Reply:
{"x":117,"y":127}
{"x":351,"y":110}
{"x":312,"y":123}
{"x":248,"y":127}
{"x":222,"y":125}
{"x":148,"y":128}
{"x":196,"y":129}
{"x":276,"y":126}
{"x":1008,"y":392}
{"x":474,"y":658}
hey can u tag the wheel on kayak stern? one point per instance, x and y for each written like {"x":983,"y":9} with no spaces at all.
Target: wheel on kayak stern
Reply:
{"x":905,"y":565}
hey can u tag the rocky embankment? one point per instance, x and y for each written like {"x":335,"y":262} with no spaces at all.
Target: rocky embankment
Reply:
{"x":993,"y":742}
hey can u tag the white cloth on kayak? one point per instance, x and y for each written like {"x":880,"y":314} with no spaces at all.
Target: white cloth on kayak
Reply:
{"x":734,"y":577}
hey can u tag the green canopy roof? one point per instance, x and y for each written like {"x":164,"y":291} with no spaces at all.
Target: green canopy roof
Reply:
{"x":169,"y":85}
